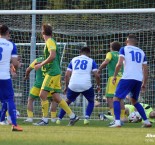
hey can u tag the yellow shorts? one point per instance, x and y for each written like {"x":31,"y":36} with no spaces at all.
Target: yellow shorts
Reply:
{"x":52,"y":83}
{"x":34,"y":93}
{"x":111,"y":88}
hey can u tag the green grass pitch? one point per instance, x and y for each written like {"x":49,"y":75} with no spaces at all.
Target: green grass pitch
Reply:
{"x":97,"y":133}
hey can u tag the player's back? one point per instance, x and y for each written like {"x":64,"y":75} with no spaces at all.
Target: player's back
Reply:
{"x":6,"y":48}
{"x":82,"y":66}
{"x":134,"y":59}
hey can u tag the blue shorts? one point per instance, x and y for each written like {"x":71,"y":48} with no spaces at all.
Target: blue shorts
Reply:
{"x":128,"y":86}
{"x":89,"y":95}
{"x":6,"y":90}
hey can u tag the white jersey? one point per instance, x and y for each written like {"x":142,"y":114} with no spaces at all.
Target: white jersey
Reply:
{"x":81,"y":67}
{"x":134,"y":59}
{"x":7,"y":50}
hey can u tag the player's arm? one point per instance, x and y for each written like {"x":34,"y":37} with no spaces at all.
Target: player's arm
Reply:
{"x":14,"y":57}
{"x":52,"y":54}
{"x":50,"y":58}
{"x":96,"y":74}
{"x":118,"y":67}
{"x":105,"y":62}
{"x":13,"y":71}
{"x":29,"y":69}
{"x":119,"y":64}
{"x":27,"y":73}
{"x":145,"y":74}
{"x":67,"y":76}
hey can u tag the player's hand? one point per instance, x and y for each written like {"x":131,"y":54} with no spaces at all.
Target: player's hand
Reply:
{"x":98,"y":89}
{"x":143,"y":88}
{"x":114,"y":80}
{"x":37,"y":66}
{"x":14,"y":75}
{"x":99,"y":71}
{"x":65,"y":90}
{"x":26,"y":77}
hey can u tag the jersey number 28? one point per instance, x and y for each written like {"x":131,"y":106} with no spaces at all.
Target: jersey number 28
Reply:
{"x":81,"y":64}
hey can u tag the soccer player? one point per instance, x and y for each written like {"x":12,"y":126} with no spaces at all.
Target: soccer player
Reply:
{"x":129,"y":109}
{"x":79,"y":69}
{"x":35,"y":90}
{"x":111,"y":61}
{"x":150,"y":113}
{"x":8,"y":53}
{"x":51,"y":83}
{"x":133,"y":80}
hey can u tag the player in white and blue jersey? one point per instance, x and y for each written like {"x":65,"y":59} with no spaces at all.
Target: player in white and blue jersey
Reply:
{"x":79,"y":69}
{"x":8,"y":53}
{"x":133,"y":80}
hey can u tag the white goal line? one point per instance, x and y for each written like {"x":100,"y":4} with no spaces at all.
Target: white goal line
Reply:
{"x":78,"y":11}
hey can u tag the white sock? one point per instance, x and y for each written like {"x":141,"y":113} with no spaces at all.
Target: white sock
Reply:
{"x":146,"y":121}
{"x":72,"y":116}
{"x":117,"y":122}
{"x":45,"y":119}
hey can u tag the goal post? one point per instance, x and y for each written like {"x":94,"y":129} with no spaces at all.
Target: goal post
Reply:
{"x":73,"y":29}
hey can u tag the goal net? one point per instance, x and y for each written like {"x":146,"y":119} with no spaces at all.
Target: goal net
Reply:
{"x":73,"y":31}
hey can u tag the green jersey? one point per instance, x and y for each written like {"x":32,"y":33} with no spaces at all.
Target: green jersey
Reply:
{"x":39,"y":75}
{"x":113,"y":59}
{"x":52,"y":68}
{"x":148,"y":110}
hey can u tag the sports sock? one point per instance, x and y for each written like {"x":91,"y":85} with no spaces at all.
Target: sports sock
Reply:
{"x":29,"y":113}
{"x":45,"y":106}
{"x":141,"y":111}
{"x":12,"y":111}
{"x":90,"y":108}
{"x":117,"y":109}
{"x":112,"y":111}
{"x":53,"y":114}
{"x":122,"y":113}
{"x":66,"y":108}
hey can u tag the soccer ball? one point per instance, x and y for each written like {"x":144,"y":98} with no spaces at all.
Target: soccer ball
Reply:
{"x":134,"y":117}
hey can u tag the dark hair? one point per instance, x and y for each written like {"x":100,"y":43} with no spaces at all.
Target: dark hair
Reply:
{"x":3,"y":29}
{"x":85,"y":50}
{"x":115,"y":45}
{"x":47,"y":29}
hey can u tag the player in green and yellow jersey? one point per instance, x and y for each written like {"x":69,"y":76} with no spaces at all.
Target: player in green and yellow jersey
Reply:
{"x":35,"y":91}
{"x":150,"y":113}
{"x":51,"y":83}
{"x":111,"y":61}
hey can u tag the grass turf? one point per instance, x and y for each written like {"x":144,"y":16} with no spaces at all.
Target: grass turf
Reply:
{"x":97,"y":133}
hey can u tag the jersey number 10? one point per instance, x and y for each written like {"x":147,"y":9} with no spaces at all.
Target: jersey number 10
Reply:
{"x":136,"y":56}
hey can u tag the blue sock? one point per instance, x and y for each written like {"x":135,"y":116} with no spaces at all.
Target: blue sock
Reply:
{"x":12,"y":111}
{"x":90,"y":108}
{"x":141,"y":111}
{"x":3,"y":111}
{"x":62,"y":112}
{"x":117,"y":109}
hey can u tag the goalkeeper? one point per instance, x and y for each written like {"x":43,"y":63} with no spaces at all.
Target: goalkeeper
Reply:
{"x":130,"y":110}
{"x":35,"y":91}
